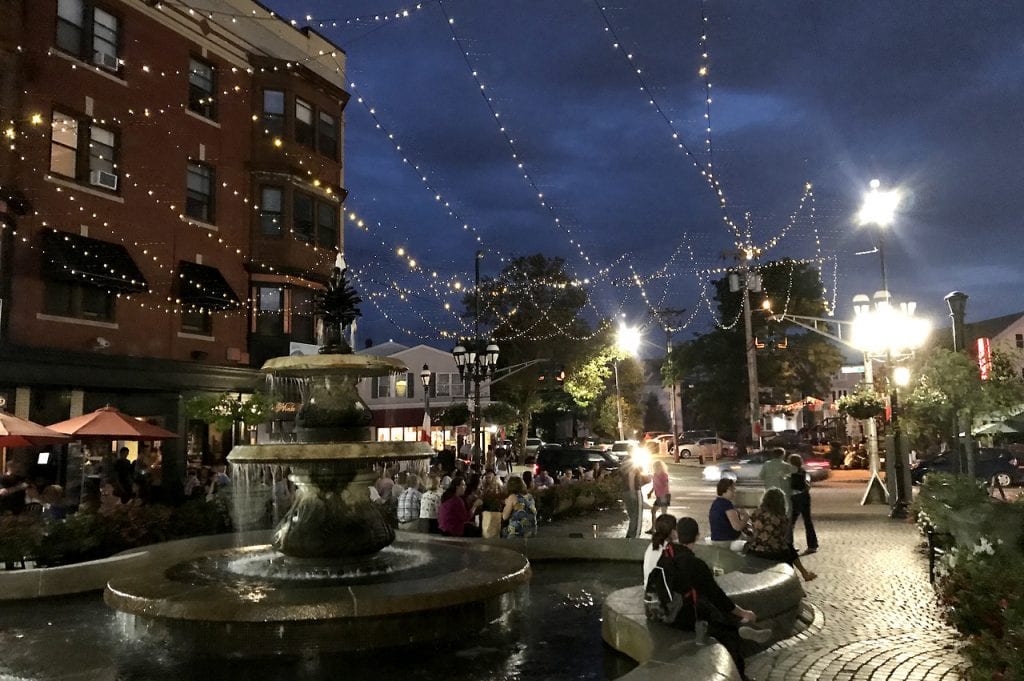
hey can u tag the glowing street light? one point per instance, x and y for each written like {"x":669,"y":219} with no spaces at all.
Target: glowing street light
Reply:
{"x":627,"y":341}
{"x":879,"y":207}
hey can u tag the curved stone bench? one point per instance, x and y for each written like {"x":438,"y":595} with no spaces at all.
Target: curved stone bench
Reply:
{"x":771,"y":590}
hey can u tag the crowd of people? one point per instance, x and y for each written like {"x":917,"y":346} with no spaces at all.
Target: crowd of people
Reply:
{"x":452,"y":503}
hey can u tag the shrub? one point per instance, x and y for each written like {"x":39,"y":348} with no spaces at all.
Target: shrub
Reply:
{"x":577,"y":498}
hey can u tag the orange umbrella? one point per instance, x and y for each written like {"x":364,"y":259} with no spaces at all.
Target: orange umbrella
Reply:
{"x":108,"y":423}
{"x":15,"y":432}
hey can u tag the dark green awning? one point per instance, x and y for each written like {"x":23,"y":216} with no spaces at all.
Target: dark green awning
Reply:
{"x":83,"y":260}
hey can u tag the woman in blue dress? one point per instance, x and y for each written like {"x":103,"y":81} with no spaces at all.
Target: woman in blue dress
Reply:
{"x":520,"y":511}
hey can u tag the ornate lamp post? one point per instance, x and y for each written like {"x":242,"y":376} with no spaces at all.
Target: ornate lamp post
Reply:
{"x":889,"y":332}
{"x":425,"y":381}
{"x":957,"y":302}
{"x":477,"y":364}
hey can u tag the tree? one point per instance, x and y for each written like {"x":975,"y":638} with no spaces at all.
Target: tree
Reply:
{"x":655,"y":416}
{"x":533,"y":310}
{"x":714,"y":363}
{"x":456,"y":414}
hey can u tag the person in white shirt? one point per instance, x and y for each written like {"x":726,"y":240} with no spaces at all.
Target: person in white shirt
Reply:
{"x":429,"y":502}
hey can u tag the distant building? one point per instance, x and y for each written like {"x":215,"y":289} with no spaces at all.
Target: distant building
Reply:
{"x":185,"y":175}
{"x":397,"y":401}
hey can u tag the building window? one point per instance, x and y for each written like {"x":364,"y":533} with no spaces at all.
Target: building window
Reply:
{"x":95,"y":162}
{"x":302,"y":316}
{"x":302,"y":217}
{"x":68,"y":299}
{"x":1020,"y":340}
{"x":201,"y":88}
{"x":271,"y":199}
{"x":64,"y":145}
{"x":405,"y":385}
{"x":305,"y":133}
{"x":88,"y":32}
{"x":199,"y":196}
{"x":273,"y":112}
{"x":270,"y":310}
{"x":380,"y":387}
{"x":197,"y":321}
{"x":326,"y":225}
{"x":327,"y":140}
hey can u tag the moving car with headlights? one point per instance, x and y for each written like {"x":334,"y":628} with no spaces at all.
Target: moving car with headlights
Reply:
{"x":623,"y":449}
{"x":747,"y":470}
{"x":992,"y":464}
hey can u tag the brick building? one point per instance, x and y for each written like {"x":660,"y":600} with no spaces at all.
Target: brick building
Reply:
{"x":179,"y":176}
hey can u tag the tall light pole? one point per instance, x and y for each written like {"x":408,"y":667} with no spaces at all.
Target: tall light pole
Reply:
{"x":478,"y":362}
{"x":425,"y":381}
{"x":627,"y":341}
{"x":957,"y":302}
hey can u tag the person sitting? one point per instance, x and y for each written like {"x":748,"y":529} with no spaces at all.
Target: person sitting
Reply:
{"x":53,"y":503}
{"x":726,"y":621}
{"x":726,"y":521}
{"x":409,"y":504}
{"x":664,"y":533}
{"x":429,"y":502}
{"x":520,"y":511}
{"x":491,"y":485}
{"x":772,"y":535}
{"x":542,"y":480}
{"x":528,"y":479}
{"x":454,"y":518}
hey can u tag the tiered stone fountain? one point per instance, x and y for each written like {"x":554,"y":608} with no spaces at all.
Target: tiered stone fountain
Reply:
{"x":334,"y":577}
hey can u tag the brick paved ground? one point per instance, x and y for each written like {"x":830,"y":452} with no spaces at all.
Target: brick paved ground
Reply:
{"x":875,"y":616}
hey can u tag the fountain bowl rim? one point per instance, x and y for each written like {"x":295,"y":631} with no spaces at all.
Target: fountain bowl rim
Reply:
{"x":299,"y":452}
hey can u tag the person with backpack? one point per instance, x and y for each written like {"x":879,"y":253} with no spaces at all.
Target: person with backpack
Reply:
{"x":681,"y":589}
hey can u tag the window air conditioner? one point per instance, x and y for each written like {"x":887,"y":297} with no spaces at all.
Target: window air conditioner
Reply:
{"x":102,"y":178}
{"x":107,"y":61}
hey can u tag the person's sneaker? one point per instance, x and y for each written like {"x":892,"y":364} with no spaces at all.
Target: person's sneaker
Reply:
{"x":756,"y":634}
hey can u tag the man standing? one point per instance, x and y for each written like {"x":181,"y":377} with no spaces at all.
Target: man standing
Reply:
{"x":634,"y":480}
{"x":124,"y":474}
{"x":776,"y":472}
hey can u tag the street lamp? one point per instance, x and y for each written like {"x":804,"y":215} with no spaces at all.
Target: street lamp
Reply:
{"x":627,"y":341}
{"x":425,"y":380}
{"x":476,"y":362}
{"x":957,"y":302}
{"x":888,"y":331}
{"x":879,"y":208}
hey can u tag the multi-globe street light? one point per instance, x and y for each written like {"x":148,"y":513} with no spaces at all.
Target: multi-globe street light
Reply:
{"x":890,"y":332}
{"x":477,"y":364}
{"x":627,"y":341}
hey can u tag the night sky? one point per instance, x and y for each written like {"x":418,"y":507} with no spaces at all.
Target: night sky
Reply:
{"x":924,"y":95}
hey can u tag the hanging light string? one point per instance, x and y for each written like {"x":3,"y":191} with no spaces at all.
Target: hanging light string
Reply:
{"x":393,"y":15}
{"x":706,"y":172}
{"x":436,"y":194}
{"x":510,"y":142}
{"x":807,"y":196}
{"x":705,"y":73}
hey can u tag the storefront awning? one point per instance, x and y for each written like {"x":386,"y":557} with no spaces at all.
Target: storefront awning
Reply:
{"x":204,"y":287}
{"x":83,"y":260}
{"x":400,"y":417}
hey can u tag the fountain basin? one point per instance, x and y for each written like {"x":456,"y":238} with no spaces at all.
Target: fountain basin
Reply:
{"x":454,"y":589}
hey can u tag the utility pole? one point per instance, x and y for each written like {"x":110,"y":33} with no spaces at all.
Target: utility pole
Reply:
{"x":671,"y":321}
{"x":750,"y":281}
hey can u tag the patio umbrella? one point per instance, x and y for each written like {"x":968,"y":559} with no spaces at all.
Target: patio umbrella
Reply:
{"x":108,"y":423}
{"x":999,"y":427}
{"x":15,"y":432}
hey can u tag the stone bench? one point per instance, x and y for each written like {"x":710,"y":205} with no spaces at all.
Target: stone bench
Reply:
{"x":771,"y":590}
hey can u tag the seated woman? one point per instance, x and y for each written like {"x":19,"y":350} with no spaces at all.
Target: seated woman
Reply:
{"x":519,"y":511}
{"x":726,"y":521}
{"x":454,"y":519}
{"x":772,"y":535}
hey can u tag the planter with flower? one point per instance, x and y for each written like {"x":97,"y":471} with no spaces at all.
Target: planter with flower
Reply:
{"x":863,"y":404}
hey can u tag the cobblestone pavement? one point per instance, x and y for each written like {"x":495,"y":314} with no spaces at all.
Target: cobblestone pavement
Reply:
{"x":875,"y":612}
{"x":876,"y":616}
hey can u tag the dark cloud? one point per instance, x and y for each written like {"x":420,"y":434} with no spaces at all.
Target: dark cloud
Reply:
{"x":925,"y":94}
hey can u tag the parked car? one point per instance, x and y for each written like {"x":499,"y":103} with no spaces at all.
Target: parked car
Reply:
{"x":707,"y":447}
{"x":530,"y":450}
{"x":623,"y":449}
{"x":747,"y":470}
{"x":998,"y":465}
{"x":555,"y":460}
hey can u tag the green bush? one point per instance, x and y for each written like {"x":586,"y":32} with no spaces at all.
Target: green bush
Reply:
{"x":89,"y":536}
{"x":979,"y":580}
{"x":577,"y":498}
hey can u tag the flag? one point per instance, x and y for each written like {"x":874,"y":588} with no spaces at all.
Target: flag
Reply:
{"x":425,"y":431}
